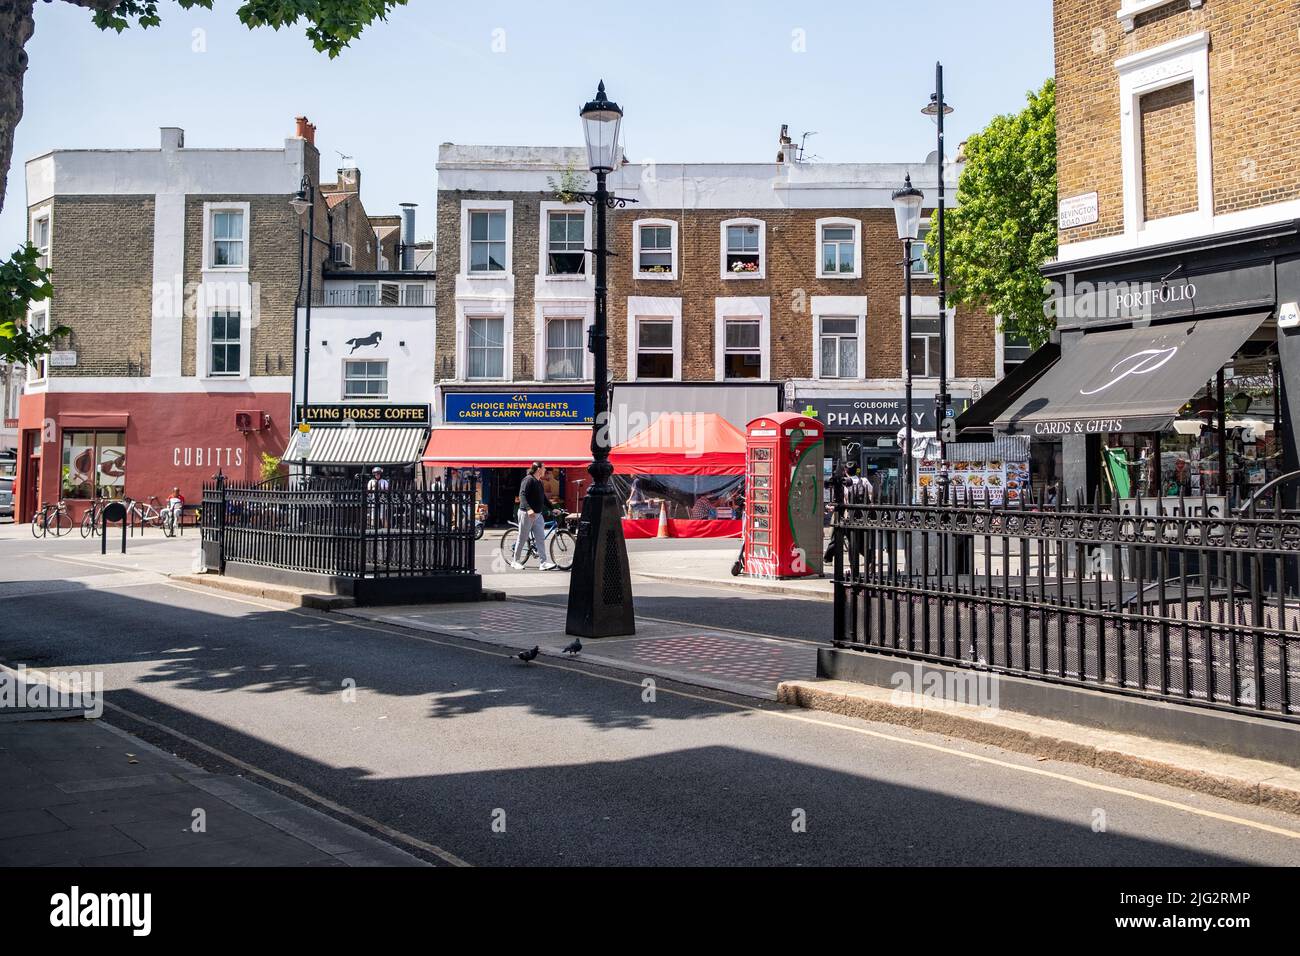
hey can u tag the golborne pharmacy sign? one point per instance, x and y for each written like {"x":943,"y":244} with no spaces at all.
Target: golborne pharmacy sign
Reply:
{"x":868,"y":414}
{"x":519,"y":408}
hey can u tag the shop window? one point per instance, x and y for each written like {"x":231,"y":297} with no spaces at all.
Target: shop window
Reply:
{"x":654,"y":349}
{"x":487,"y":241}
{"x":655,"y":256}
{"x":365,"y":378}
{"x":566,"y":244}
{"x":925,"y":346}
{"x":94,"y":464}
{"x":487,"y":347}
{"x":224,"y":344}
{"x":564,"y":349}
{"x":228,"y":238}
{"x":742,"y":349}
{"x":839,"y":348}
{"x":743,"y":243}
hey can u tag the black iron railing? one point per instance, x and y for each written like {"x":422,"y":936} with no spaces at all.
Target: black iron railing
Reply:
{"x":340,"y":528}
{"x":1170,"y":601}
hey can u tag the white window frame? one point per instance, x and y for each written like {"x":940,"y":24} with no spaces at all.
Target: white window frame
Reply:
{"x":343,"y":386}
{"x":742,"y":307}
{"x":548,"y":309}
{"x":42,"y":215}
{"x":544,"y":366}
{"x":762,"y":249}
{"x":38,"y":371}
{"x":507,"y":345}
{"x":927,"y":307}
{"x":544,"y":242}
{"x":839,"y":307}
{"x":210,"y":210}
{"x":1000,"y":351}
{"x":927,"y":224}
{"x":241,"y":342}
{"x":467,"y":207}
{"x":654,"y":307}
{"x":671,"y":274}
{"x":1150,"y":71}
{"x":408,"y":287}
{"x":835,"y":222}
{"x":1130,"y":10}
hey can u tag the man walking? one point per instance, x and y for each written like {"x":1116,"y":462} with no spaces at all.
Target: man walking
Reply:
{"x":532,"y":519}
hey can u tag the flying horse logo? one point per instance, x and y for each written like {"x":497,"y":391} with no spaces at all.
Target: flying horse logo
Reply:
{"x":371,"y":339}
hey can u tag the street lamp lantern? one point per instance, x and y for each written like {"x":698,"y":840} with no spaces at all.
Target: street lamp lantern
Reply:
{"x":301,"y":201}
{"x":932,"y":108}
{"x":907,"y":210}
{"x":600,"y":122}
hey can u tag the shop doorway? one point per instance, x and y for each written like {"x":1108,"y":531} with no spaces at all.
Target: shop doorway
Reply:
{"x":501,"y":493}
{"x":882,"y":466}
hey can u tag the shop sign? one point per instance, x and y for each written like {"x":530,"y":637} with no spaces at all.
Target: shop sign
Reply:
{"x":519,"y":408}
{"x":364,"y":414}
{"x":1077,"y":211}
{"x":1084,"y":426}
{"x":868,"y":414}
{"x":1082,"y":302}
{"x":1211,"y":506}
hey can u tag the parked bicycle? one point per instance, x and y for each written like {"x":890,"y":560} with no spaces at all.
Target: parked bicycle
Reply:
{"x":52,"y":518}
{"x":152,"y":513}
{"x":91,"y":520}
{"x":560,"y":539}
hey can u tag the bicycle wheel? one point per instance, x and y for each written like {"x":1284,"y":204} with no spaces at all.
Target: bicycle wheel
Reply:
{"x":38,"y":524}
{"x":88,"y":524}
{"x":168,"y":521}
{"x":508,"y":542}
{"x":563,"y":545}
{"x":62,"y":523}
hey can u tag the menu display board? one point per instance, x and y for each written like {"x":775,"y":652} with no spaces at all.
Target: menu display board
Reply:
{"x":992,"y":480}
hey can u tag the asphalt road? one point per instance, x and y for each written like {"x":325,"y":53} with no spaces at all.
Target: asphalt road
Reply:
{"x":461,"y":752}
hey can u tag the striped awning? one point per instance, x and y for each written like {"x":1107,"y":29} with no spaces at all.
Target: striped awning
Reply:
{"x":363,"y":445}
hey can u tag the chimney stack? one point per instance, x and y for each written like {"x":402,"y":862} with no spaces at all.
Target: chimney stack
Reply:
{"x":304,"y":129}
{"x":408,"y":237}
{"x":785,"y":148}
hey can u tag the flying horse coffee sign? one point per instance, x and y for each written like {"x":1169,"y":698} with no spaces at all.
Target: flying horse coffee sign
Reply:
{"x":364,"y":414}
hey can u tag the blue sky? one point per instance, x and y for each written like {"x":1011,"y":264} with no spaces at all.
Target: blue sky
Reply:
{"x":698,"y":81}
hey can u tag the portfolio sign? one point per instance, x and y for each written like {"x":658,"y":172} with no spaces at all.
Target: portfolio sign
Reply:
{"x":519,"y":408}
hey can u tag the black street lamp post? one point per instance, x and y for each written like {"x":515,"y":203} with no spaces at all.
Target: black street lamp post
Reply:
{"x":907,"y":213}
{"x":305,"y":201}
{"x":600,"y":584}
{"x":938,"y":109}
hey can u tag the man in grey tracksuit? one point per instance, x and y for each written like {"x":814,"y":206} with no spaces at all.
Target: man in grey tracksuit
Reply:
{"x":532,"y":519}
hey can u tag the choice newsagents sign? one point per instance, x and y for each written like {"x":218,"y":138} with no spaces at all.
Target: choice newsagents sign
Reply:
{"x":519,"y":408}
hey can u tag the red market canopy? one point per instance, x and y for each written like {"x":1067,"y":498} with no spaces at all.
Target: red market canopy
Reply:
{"x":501,"y":446}
{"x":682,"y":443}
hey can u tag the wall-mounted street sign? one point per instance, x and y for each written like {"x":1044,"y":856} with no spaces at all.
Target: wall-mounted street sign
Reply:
{"x":519,"y":408}
{"x":1078,"y":211}
{"x":364,"y":414}
{"x":63,"y":359}
{"x":1288,"y":315}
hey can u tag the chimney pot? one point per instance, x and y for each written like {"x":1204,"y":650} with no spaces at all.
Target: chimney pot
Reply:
{"x":304,"y":130}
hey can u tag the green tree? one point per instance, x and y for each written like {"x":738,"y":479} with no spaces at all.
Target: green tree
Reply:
{"x":23,"y":281}
{"x":1004,"y":226}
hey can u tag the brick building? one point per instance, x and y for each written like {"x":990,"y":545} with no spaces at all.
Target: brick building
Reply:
{"x":736,"y":289}
{"x":176,"y":271}
{"x":1178,"y":270}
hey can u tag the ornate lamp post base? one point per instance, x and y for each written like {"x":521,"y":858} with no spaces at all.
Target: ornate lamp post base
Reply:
{"x":600,"y":584}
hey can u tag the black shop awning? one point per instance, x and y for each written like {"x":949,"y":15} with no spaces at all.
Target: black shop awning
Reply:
{"x":976,"y":423}
{"x":1127,"y":380}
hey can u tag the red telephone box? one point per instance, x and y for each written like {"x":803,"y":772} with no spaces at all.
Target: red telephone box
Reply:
{"x":783,"y":496}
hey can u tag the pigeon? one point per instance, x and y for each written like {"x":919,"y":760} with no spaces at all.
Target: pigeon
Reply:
{"x":527,"y":656}
{"x":574,"y":648}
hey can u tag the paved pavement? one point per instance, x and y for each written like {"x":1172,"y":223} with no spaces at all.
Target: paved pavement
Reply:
{"x":448,"y":746}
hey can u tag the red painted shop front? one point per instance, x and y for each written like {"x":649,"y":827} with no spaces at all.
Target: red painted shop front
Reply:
{"x":74,"y":445}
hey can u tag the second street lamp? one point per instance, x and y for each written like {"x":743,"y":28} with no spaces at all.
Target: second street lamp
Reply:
{"x":600,"y":584}
{"x":907,"y":213}
{"x":937,"y":109}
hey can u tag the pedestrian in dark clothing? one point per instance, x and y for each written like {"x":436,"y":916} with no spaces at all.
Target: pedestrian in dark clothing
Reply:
{"x":533,"y":507}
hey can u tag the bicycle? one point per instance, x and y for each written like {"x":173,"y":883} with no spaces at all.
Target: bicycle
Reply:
{"x":152,"y":514}
{"x":559,"y":540}
{"x":56,"y":514}
{"x":90,"y":522}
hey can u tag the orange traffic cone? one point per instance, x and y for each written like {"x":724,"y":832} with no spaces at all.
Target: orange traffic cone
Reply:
{"x":663,"y":521}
